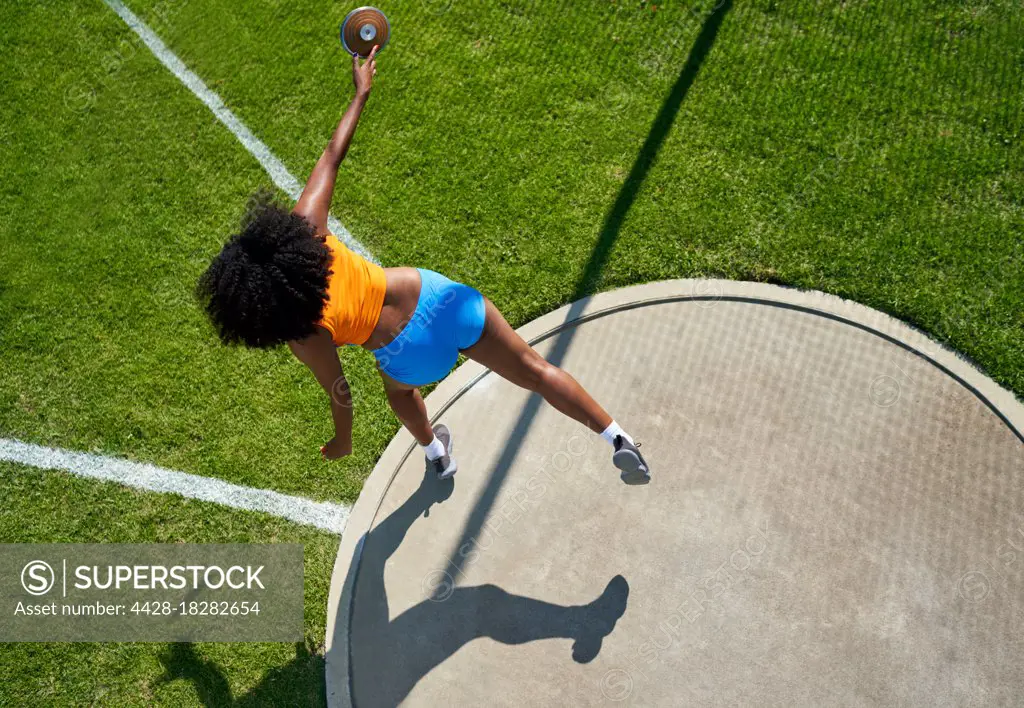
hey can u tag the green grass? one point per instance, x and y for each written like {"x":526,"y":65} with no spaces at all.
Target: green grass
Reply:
{"x":50,"y":507}
{"x":868,"y":150}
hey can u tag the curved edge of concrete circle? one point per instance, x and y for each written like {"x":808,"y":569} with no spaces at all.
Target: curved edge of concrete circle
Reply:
{"x":999,"y":400}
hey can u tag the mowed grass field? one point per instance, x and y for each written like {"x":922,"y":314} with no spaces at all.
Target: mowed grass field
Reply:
{"x":540,"y":151}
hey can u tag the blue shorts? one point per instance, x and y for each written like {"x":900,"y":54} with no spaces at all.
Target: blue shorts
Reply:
{"x":449,"y":316}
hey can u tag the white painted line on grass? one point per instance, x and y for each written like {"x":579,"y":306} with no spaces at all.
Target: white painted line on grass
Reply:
{"x":323,"y":515}
{"x":274,"y":167}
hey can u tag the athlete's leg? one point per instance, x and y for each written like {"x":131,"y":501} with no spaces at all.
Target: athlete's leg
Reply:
{"x":407,"y":403}
{"x":436,"y":441}
{"x":504,"y":352}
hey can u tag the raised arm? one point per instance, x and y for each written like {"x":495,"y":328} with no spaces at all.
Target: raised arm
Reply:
{"x":315,"y":202}
{"x":320,"y":355}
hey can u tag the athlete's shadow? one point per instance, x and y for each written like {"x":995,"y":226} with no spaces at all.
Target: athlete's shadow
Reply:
{"x":389,"y":656}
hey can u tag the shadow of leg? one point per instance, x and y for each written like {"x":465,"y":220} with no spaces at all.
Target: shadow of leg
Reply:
{"x":388,"y":657}
{"x":427,"y":634}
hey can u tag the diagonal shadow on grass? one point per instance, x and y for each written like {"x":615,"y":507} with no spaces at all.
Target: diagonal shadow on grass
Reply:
{"x":588,"y":280}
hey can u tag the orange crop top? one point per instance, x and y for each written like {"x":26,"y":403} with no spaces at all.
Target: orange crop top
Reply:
{"x":355,"y":295}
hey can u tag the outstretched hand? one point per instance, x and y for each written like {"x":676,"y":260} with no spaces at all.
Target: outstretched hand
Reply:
{"x":363,"y":75}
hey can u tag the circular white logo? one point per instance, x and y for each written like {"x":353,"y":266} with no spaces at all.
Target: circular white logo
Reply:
{"x":616,"y":685}
{"x":707,"y":293}
{"x":37,"y":577}
{"x":439,"y":585}
{"x":885,"y":391}
{"x":974,"y":586}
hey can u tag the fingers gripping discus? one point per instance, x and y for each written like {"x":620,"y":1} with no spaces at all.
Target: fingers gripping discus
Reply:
{"x":363,"y":28}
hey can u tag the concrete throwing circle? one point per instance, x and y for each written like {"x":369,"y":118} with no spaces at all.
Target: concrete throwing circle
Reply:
{"x":836,"y":516}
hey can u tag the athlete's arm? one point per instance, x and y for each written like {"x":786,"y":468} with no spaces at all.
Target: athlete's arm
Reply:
{"x":321,"y":356}
{"x":315,"y":202}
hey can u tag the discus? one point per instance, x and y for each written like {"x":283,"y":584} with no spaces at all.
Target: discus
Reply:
{"x":363,"y":28}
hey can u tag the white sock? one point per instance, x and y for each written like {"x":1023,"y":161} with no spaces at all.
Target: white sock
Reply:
{"x":613,"y":431}
{"x":434,"y":450}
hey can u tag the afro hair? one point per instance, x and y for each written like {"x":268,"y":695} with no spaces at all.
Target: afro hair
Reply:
{"x":268,"y":285}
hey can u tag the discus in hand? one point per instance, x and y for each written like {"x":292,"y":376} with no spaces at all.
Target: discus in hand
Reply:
{"x":364,"y":28}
